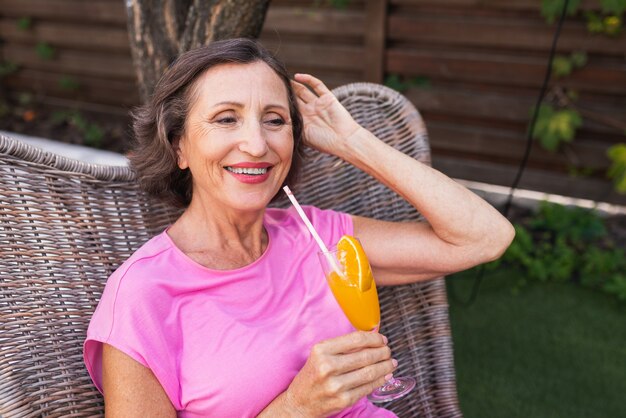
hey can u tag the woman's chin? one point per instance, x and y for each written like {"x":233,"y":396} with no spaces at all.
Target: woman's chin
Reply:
{"x":251,"y":202}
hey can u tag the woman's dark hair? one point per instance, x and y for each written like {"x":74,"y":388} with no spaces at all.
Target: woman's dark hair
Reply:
{"x":162,"y":120}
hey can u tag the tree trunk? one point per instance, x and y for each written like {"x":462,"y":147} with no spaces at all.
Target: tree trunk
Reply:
{"x":159,"y":30}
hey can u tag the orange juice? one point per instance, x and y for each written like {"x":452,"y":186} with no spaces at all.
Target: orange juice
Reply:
{"x":360,"y":307}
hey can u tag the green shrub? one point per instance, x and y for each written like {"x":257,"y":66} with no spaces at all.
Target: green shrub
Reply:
{"x":566,"y":244}
{"x":616,"y":285}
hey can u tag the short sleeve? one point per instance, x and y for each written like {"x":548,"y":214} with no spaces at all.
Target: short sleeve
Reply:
{"x":130,"y":318}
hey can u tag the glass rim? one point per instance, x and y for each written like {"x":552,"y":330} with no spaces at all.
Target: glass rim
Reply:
{"x":333,"y":249}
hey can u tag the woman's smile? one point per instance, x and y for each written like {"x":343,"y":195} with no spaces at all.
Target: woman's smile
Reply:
{"x":250,"y":173}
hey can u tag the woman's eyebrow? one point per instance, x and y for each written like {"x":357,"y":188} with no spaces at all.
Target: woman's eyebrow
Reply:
{"x":240,"y":105}
{"x":228,"y":103}
{"x":272,"y":105}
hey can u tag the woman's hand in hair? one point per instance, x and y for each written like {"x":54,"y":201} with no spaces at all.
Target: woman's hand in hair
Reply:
{"x":327,"y":124}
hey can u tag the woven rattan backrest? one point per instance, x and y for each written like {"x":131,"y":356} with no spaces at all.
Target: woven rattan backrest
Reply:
{"x":66,"y":225}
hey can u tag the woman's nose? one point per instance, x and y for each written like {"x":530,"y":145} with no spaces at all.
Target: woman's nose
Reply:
{"x":253,"y":141}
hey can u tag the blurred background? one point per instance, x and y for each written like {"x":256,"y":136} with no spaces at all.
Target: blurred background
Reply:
{"x":540,"y":332}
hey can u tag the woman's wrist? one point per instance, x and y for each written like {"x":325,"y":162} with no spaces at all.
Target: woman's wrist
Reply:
{"x":362,"y":149}
{"x":283,"y":406}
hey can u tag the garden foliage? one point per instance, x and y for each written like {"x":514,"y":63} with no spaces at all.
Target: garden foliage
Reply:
{"x":560,"y":117}
{"x":565,"y":244}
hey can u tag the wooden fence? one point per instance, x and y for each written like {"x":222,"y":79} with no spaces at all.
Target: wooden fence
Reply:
{"x":481,"y":63}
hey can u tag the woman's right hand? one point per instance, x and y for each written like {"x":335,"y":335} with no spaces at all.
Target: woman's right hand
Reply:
{"x":339,"y":372}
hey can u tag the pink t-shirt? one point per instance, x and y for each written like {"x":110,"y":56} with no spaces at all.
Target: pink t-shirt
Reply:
{"x":225,"y":343}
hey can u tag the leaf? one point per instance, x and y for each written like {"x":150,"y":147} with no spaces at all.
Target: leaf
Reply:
{"x":599,"y":264}
{"x":566,"y":122}
{"x":578,"y":59}
{"x":59,"y":117}
{"x":7,"y":68}
{"x":520,"y":250}
{"x":93,"y":135}
{"x":562,"y":261}
{"x":612,"y":25}
{"x":616,"y":7}
{"x":78,"y":120}
{"x":339,"y":4}
{"x":552,"y":9}
{"x":561,"y":66}
{"x":5,"y":110}
{"x":572,"y":94}
{"x":576,"y":171}
{"x":617,"y":286}
{"x":544,"y":115}
{"x":68,"y":83}
{"x":594,"y":22}
{"x":554,"y":127}
{"x":25,"y":98}
{"x":24,"y":23}
{"x":44,"y":51}
{"x":421,"y":81}
{"x":617,"y":170}
{"x":393,"y":81}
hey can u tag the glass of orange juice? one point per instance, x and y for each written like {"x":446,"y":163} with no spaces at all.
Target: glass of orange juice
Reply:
{"x":350,"y":278}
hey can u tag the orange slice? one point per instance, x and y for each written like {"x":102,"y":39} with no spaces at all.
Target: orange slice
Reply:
{"x":355,"y":263}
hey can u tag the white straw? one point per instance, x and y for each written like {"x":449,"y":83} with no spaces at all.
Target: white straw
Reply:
{"x":313,"y":232}
{"x":305,"y":219}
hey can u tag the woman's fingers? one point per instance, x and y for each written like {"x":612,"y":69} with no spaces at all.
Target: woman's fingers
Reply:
{"x":302,"y":92}
{"x":353,"y":342}
{"x":363,"y":358}
{"x":367,"y":388}
{"x":318,"y":86}
{"x":373,"y":375}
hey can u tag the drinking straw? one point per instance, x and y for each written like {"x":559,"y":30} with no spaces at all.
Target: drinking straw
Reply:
{"x":305,"y":219}
{"x":313,"y":232}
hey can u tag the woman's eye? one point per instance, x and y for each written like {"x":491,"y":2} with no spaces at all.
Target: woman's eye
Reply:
{"x":275,"y":122}
{"x":226,"y":120}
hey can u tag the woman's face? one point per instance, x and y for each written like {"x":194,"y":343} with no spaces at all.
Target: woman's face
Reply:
{"x":238,"y":140}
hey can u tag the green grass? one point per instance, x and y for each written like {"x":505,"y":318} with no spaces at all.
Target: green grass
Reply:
{"x":551,"y":350}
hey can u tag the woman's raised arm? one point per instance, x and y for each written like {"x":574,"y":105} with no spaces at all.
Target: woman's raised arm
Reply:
{"x":462,"y":230}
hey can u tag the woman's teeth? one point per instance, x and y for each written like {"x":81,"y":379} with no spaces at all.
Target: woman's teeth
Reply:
{"x":250,"y":171}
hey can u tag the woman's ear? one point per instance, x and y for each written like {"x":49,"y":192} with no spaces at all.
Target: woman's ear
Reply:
{"x":179,"y":147}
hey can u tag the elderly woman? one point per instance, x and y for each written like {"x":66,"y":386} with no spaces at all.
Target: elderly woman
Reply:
{"x":226,"y":313}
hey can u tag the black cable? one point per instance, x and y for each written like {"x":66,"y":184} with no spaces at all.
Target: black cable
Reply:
{"x":533,"y":121}
{"x":529,"y":144}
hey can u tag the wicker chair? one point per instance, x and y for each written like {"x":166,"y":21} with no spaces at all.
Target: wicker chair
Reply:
{"x":67,"y":225}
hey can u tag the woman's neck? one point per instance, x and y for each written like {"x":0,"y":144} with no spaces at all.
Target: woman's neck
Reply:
{"x":220,"y":239}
